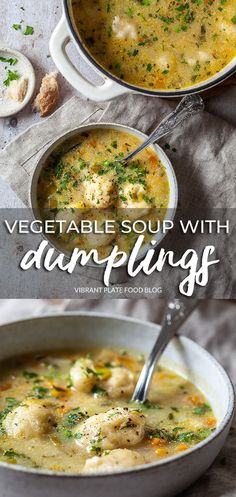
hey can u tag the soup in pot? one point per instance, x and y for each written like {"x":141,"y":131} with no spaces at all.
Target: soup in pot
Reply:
{"x":71,"y":412}
{"x":158,"y":44}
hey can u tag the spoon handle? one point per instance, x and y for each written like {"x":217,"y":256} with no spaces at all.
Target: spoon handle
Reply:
{"x":177,"y":311}
{"x":188,"y":106}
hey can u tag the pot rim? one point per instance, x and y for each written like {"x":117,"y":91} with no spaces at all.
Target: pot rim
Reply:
{"x":205,"y":85}
{"x":170,"y":210}
{"x":168,"y":461}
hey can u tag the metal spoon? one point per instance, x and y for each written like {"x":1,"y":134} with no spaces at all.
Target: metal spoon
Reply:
{"x":177,"y":311}
{"x":189,"y":105}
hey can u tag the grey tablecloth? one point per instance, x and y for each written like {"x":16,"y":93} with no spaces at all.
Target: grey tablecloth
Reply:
{"x":212,"y":325}
{"x":203,"y":156}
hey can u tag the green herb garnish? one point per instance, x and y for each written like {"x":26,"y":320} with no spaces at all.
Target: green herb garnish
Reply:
{"x":11,"y":76}
{"x":98,"y":391}
{"x":10,"y":61}
{"x":29,"y":30}
{"x":73,"y":418}
{"x":17,"y":27}
{"x":40,"y":392}
{"x":201,"y":410}
{"x":29,"y":375}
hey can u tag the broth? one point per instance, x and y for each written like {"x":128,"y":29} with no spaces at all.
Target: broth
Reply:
{"x":158,"y":44}
{"x":81,"y":180}
{"x":71,"y":412}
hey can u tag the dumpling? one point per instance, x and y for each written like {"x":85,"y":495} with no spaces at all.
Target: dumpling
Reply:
{"x":133,"y":201}
{"x":124,"y":28}
{"x":96,"y":240}
{"x":120,"y":383}
{"x":228,"y":28}
{"x":33,"y":418}
{"x":97,"y":191}
{"x":114,"y":460}
{"x":117,"y":428}
{"x":166,"y":61}
{"x":83,"y":375}
{"x":65,"y":216}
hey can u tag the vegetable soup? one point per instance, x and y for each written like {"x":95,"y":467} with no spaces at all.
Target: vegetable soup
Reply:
{"x":158,"y":44}
{"x":84,"y":179}
{"x":71,"y":412}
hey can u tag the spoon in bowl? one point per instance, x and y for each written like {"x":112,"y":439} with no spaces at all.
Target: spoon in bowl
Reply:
{"x":188,"y":106}
{"x":177,"y":311}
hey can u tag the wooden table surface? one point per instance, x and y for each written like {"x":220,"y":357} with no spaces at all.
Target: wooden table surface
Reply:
{"x":44,"y":15}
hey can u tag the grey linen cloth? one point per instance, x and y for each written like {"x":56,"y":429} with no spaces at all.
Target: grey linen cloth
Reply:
{"x":203,"y":160}
{"x":202,"y":152}
{"x":211,"y":325}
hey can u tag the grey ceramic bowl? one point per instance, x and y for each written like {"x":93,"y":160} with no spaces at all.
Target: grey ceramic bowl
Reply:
{"x":173,"y":187}
{"x":162,"y":479}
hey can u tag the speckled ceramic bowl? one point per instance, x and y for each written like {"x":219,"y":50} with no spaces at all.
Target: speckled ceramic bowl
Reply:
{"x":165,"y":478}
{"x":173,"y":187}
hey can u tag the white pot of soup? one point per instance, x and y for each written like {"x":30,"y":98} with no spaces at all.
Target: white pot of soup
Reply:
{"x":67,"y":426}
{"x":79,"y":178}
{"x":158,"y":48}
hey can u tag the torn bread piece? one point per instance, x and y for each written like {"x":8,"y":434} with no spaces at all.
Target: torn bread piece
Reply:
{"x":17,"y":89}
{"x":48,"y":97}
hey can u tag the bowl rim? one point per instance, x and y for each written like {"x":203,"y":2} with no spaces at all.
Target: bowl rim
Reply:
{"x":167,"y":164}
{"x":205,"y":85}
{"x":168,"y":461}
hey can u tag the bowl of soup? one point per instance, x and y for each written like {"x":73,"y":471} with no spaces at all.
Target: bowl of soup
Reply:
{"x":162,"y":48}
{"x":81,"y":178}
{"x":68,"y":427}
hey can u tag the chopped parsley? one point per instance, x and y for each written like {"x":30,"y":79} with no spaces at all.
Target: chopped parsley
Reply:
{"x":201,"y":410}
{"x":29,"y":30}
{"x":11,"y":76}
{"x":98,"y":391}
{"x":11,"y":403}
{"x":17,"y":27}
{"x":185,"y":436}
{"x":12,"y":61}
{"x":149,"y":67}
{"x":73,"y":418}
{"x":29,"y":375}
{"x":40,"y":392}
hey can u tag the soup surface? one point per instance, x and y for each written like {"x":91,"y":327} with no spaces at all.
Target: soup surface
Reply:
{"x":158,"y":44}
{"x":82,"y":180}
{"x":70,"y":412}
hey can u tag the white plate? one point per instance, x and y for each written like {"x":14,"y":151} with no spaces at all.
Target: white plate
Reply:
{"x":10,"y":107}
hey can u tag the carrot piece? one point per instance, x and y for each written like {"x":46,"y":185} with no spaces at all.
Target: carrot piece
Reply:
{"x":152,"y":159}
{"x":62,"y":410}
{"x":161,"y":451}
{"x":195,"y":400}
{"x":92,"y":143}
{"x":5,"y":387}
{"x":158,"y":441}
{"x":181,"y":447}
{"x":128,"y":362}
{"x":210,"y":422}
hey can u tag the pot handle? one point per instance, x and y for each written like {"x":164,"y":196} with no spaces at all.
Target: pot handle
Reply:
{"x":57,"y":45}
